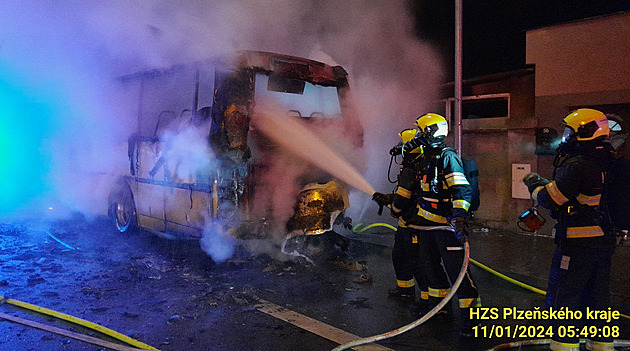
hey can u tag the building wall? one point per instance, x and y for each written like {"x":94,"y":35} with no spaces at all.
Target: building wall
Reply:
{"x":581,"y":57}
{"x":497,"y":143}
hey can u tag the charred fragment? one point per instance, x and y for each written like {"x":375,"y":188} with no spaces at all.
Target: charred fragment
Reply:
{"x":317,"y":207}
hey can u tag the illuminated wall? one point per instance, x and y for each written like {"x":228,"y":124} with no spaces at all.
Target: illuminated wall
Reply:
{"x":26,"y":121}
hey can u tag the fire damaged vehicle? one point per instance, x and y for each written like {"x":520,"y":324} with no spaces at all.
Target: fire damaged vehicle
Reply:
{"x":197,"y":162}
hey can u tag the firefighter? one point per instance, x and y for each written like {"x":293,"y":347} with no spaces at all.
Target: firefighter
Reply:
{"x":439,"y":214}
{"x":579,"y":277}
{"x":405,"y":256}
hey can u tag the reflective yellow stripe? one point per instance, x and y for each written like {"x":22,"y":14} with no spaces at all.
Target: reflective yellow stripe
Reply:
{"x":401,"y":223}
{"x":438,"y":292}
{"x":461,"y":204}
{"x":396,"y":209}
{"x":599,"y":345}
{"x":414,"y":239}
{"x":430,"y":216}
{"x":584,"y":232}
{"x":424,"y":295}
{"x":471,"y":302}
{"x":456,"y":178}
{"x":404,"y":193}
{"x":563,"y":346}
{"x":589,"y":200}
{"x":425,"y":186}
{"x":405,"y":283}
{"x":555,"y":193}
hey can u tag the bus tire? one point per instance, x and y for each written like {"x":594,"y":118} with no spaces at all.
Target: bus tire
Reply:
{"x":123,"y":210}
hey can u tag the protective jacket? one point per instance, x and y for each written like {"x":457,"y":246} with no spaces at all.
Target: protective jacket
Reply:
{"x":444,"y":191}
{"x":574,"y":197}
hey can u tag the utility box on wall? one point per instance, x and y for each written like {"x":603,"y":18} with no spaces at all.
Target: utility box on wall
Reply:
{"x":519,"y":171}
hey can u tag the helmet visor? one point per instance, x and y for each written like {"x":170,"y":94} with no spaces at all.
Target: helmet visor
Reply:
{"x":568,"y":134}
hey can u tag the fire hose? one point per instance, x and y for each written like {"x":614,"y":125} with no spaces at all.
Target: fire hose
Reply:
{"x":418,"y":322}
{"x":78,"y":321}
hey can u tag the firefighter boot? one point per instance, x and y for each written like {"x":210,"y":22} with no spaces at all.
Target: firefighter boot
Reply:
{"x":420,"y":307}
{"x":403,"y":293}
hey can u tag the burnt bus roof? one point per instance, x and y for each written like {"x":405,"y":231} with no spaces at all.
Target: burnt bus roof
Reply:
{"x":271,"y":63}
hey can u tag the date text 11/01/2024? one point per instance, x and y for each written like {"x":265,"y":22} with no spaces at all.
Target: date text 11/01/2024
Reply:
{"x":533,"y":331}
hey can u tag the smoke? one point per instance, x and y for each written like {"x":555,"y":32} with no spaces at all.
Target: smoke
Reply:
{"x":67,"y":116}
{"x":187,"y":152}
{"x":216,"y":243}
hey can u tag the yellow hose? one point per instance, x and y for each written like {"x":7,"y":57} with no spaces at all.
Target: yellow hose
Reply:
{"x":354,"y":229}
{"x":79,"y":321}
{"x":503,"y":276}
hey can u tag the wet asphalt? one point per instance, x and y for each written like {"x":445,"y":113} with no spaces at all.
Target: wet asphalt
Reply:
{"x":172,"y":296}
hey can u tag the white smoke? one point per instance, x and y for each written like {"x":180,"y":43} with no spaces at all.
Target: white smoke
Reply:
{"x":216,"y":242}
{"x":187,"y":152}
{"x":75,"y":49}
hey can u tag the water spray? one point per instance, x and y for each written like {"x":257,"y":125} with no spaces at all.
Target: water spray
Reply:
{"x":292,"y":135}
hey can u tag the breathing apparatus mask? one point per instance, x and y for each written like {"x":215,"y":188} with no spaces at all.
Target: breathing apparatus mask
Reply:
{"x":408,"y":147}
{"x":408,"y":144}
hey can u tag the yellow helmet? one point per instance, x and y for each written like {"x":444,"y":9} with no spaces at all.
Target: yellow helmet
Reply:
{"x":408,"y":135}
{"x":432,"y":125}
{"x":586,"y":124}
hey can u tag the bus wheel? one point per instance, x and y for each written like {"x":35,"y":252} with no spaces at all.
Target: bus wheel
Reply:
{"x":124,"y":210}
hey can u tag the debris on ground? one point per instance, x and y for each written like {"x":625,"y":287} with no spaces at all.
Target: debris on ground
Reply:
{"x":352,"y":266}
{"x":364,"y":278}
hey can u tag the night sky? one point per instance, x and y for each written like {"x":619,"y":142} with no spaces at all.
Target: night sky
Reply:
{"x":494,"y":30}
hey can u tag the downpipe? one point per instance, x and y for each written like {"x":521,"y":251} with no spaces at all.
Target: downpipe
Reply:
{"x":418,"y":322}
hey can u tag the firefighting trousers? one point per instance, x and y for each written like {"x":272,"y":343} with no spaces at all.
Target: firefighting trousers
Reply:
{"x":441,"y":246}
{"x":406,"y":260}
{"x":579,"y":280}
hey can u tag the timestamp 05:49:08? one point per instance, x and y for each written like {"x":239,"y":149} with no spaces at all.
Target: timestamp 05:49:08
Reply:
{"x":539,"y":331}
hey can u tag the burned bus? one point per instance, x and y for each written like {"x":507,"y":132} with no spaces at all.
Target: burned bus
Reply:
{"x":196,"y":159}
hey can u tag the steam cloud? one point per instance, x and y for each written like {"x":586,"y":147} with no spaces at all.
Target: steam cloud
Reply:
{"x":64,"y":57}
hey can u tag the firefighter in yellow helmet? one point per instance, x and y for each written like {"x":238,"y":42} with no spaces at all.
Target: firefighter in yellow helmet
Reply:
{"x":439,"y":213}
{"x":579,"y":277}
{"x":442,"y":209}
{"x":405,"y":257}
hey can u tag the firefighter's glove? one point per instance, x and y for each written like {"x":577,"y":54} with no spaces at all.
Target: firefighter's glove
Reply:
{"x":383,"y":199}
{"x":533,"y":181}
{"x":459,"y":224}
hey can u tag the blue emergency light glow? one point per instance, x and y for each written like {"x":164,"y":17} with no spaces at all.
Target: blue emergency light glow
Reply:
{"x":25,"y":123}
